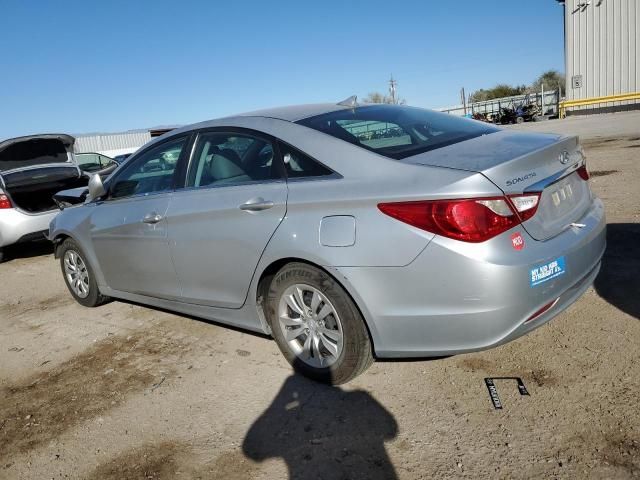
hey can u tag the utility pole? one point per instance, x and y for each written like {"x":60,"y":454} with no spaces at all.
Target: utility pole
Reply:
{"x":464,"y":100}
{"x":393,"y":84}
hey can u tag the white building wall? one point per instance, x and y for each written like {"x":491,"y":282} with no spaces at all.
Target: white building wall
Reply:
{"x":602,"y":50}
{"x":111,"y":144}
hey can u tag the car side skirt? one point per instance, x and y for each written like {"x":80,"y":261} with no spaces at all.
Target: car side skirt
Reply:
{"x":246,"y":317}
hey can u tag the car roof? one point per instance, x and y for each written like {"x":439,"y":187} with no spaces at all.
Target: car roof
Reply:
{"x":293,"y":113}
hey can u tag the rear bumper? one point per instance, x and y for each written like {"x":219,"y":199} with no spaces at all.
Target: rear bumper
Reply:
{"x":457,"y":297}
{"x":16,"y":226}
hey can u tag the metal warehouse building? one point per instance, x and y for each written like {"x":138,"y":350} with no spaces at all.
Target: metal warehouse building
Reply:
{"x":112,"y":144}
{"x":602,"y":50}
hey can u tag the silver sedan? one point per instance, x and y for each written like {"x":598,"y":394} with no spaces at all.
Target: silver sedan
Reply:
{"x":345,"y":231}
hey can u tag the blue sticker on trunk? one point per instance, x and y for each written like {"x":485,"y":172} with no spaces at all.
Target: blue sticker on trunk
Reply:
{"x":542,"y":273}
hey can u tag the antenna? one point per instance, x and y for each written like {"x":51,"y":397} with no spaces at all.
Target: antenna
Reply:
{"x":352,"y":101}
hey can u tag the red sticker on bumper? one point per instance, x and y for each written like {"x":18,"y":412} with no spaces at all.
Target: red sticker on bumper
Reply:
{"x":517,"y":241}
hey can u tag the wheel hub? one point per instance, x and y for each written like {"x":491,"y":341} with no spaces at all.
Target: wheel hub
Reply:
{"x":313,"y":325}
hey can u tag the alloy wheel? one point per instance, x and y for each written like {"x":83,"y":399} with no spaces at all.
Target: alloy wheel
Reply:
{"x":310,"y":325}
{"x":76,"y":273}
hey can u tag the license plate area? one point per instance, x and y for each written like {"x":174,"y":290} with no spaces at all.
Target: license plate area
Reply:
{"x":562,"y":194}
{"x":561,"y":203}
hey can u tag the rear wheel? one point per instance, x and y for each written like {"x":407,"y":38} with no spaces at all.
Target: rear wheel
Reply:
{"x":317,"y":326}
{"x":79,"y":276}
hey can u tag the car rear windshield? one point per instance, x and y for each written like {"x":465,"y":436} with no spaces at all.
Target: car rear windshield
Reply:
{"x":397,"y":131}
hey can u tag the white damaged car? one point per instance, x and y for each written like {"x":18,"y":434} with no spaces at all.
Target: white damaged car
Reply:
{"x":32,"y":170}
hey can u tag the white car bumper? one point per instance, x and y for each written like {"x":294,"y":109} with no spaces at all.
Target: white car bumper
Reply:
{"x":16,"y":226}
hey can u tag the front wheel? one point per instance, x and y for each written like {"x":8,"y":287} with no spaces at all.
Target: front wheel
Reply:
{"x":317,"y":326}
{"x":79,"y":276}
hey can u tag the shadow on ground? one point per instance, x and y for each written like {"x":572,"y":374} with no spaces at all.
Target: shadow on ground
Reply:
{"x":324,"y":432}
{"x":619,"y":279}
{"x":27,"y":250}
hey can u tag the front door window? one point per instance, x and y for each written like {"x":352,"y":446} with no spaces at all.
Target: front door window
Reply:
{"x":150,"y":173}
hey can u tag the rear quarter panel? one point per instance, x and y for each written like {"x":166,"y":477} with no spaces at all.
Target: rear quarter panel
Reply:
{"x":379,"y":239}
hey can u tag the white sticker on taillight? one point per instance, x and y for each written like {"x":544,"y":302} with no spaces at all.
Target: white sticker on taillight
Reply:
{"x":525,"y":202}
{"x":497,"y":206}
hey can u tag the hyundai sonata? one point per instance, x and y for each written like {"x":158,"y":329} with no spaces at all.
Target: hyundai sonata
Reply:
{"x":345,"y":231}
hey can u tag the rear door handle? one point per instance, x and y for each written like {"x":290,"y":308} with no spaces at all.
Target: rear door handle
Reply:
{"x":152,"y":218}
{"x":256,"y":205}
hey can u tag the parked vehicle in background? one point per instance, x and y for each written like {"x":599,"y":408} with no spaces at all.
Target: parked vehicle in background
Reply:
{"x":344,"y":231}
{"x":121,"y":158}
{"x":32,"y":170}
{"x":519,"y":114}
{"x":95,"y":163}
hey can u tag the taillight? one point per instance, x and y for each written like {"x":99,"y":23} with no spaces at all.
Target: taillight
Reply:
{"x":470,"y":220}
{"x":4,"y":201}
{"x":583,"y":172}
{"x":525,"y":205}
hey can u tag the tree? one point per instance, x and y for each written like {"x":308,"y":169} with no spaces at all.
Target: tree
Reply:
{"x":551,"y":79}
{"x":499,"y":91}
{"x":377,"y":97}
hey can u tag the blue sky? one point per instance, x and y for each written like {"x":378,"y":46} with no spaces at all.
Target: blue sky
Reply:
{"x":84,"y":66}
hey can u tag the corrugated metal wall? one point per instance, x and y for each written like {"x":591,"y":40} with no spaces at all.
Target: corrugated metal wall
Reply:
{"x":108,"y":142}
{"x":602,"y":49}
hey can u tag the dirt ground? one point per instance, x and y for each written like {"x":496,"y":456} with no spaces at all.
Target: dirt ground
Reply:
{"x":125,"y":391}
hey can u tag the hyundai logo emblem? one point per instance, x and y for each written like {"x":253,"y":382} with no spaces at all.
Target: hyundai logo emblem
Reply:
{"x":564,"y":157}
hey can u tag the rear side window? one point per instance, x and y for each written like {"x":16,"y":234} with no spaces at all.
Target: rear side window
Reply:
{"x":300,"y":165}
{"x":397,"y":131}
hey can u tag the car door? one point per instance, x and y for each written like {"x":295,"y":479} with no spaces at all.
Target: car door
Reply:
{"x":220,"y":223}
{"x":129,"y":227}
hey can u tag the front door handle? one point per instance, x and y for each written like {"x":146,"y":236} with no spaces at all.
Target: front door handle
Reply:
{"x":256,"y":205}
{"x":152,"y":218}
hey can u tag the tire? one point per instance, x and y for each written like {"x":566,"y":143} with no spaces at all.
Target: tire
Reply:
{"x":329,"y":342}
{"x":519,"y":120}
{"x":86,"y":291}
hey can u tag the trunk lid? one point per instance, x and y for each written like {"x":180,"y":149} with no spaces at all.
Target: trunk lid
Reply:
{"x":29,"y":151}
{"x":32,"y":189}
{"x":34,"y":178}
{"x":520,"y":163}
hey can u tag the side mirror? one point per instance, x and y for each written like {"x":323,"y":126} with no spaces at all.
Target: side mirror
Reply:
{"x":96,"y":188}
